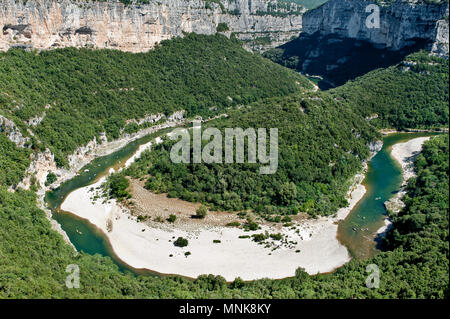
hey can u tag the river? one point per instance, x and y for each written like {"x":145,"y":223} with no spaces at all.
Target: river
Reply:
{"x":382,"y":181}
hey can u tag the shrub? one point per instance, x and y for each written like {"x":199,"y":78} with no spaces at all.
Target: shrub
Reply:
{"x":201,"y":212}
{"x":172,"y":218}
{"x":117,"y":185}
{"x":222,"y":27}
{"x":259,"y":237}
{"x":276,"y":236}
{"x":181,"y":242}
{"x":286,"y":219}
{"x":251,"y":225}
{"x":233,"y":224}
{"x":51,"y":178}
{"x":142,"y":218}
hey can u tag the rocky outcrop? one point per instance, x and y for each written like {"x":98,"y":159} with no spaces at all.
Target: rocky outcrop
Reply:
{"x":375,"y":146}
{"x":440,"y":45}
{"x":400,"y":23}
{"x":44,"y":24}
{"x":12,"y":132}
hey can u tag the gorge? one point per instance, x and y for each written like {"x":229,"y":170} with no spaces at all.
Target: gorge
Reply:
{"x":338,"y":45}
{"x":91,"y":89}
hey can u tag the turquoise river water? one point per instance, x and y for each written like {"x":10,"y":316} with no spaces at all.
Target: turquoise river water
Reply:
{"x":357,"y":231}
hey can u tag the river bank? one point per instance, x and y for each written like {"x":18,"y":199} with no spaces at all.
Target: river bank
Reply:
{"x":384,"y":179}
{"x":141,"y":246}
{"x":413,"y":130}
{"x":310,"y":244}
{"x":43,"y":163}
{"x":404,"y":154}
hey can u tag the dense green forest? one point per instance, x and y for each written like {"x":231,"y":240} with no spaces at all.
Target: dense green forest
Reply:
{"x":13,"y":161}
{"x":84,"y":92}
{"x":321,"y":145}
{"x":322,"y":137}
{"x":318,"y":148}
{"x":34,"y":257}
{"x":412,"y":94}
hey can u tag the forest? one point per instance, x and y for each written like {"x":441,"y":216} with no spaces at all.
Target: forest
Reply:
{"x":323,"y":138}
{"x":411,"y":94}
{"x":321,"y":142}
{"x":321,"y":145}
{"x":81,"y":92}
{"x":415,"y":265}
{"x":13,"y":161}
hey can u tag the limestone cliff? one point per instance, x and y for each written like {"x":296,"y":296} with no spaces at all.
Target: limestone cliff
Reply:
{"x":14,"y":134}
{"x":344,"y":39}
{"x":46,"y":24}
{"x":400,"y":23}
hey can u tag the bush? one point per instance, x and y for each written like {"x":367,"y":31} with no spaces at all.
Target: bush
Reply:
{"x":201,"y":212}
{"x":181,"y":242}
{"x":142,"y":218}
{"x":251,"y":225}
{"x":259,"y":237}
{"x":233,"y":224}
{"x":222,"y":27}
{"x":117,"y":185}
{"x":172,"y":218}
{"x":276,"y":236}
{"x":51,"y":178}
{"x":286,"y":219}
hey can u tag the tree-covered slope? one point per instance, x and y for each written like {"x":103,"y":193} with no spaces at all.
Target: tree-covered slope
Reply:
{"x":13,"y":161}
{"x":322,"y":141}
{"x":316,"y":155}
{"x":412,"y":94}
{"x":34,"y":258}
{"x":321,"y":145}
{"x":84,"y":92}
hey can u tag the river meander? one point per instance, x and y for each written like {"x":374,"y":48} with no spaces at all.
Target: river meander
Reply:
{"x":356,"y":232}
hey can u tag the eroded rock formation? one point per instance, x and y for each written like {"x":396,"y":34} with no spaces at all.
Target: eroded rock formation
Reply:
{"x":400,"y":23}
{"x":46,"y":24}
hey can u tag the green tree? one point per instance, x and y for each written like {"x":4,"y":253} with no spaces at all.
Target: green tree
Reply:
{"x":201,"y":212}
{"x":181,"y":242}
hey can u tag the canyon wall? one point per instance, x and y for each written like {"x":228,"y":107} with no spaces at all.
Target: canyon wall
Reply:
{"x":400,"y":23}
{"x":46,"y":24}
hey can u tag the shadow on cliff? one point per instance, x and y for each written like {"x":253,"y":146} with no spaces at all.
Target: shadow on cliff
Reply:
{"x":336,"y":59}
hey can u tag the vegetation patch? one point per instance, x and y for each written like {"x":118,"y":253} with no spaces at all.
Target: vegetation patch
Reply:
{"x":181,"y":242}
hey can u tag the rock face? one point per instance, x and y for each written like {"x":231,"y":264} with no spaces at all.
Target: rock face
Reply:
{"x":344,"y":39}
{"x":399,"y":23}
{"x":46,"y":24}
{"x":12,"y":132}
{"x":375,"y":146}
